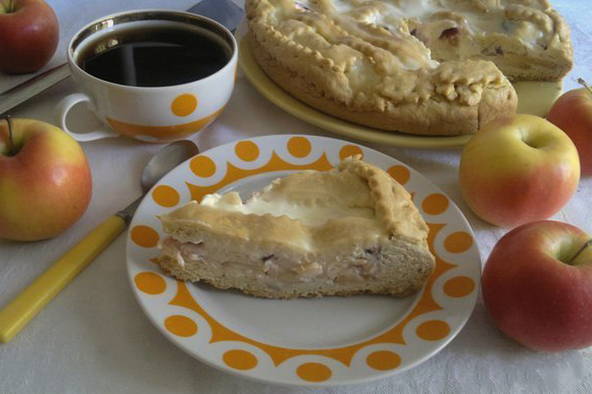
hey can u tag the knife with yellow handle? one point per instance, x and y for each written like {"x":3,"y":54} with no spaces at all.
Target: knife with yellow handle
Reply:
{"x":30,"y":301}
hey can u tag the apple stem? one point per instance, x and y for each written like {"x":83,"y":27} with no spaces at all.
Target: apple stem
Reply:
{"x":7,"y":6}
{"x":580,"y":250}
{"x":582,"y":82}
{"x":10,"y":135}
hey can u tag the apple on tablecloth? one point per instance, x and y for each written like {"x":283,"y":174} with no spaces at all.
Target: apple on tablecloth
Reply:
{"x":537,"y":286}
{"x":572,"y":113}
{"x":518,"y":169}
{"x":45,"y":180}
{"x":29,"y":35}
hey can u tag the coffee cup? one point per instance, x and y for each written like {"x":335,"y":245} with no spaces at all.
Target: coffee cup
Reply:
{"x":153,"y":75}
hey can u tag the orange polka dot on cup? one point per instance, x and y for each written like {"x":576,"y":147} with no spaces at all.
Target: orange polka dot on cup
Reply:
{"x":184,"y":104}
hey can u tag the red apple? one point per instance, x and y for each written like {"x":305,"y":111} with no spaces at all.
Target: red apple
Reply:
{"x":519,"y":169}
{"x":572,"y":113}
{"x":537,"y":286}
{"x":45,"y":180}
{"x":28,"y":35}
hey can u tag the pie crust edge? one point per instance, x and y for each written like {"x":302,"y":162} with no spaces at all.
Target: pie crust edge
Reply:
{"x":430,"y":118}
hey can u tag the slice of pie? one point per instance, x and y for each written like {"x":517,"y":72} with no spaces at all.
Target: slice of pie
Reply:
{"x":347,"y":231}
{"x":416,"y":66}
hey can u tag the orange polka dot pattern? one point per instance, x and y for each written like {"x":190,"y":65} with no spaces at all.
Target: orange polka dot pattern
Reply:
{"x":150,"y":283}
{"x":247,"y":150}
{"x":350,"y":150}
{"x":165,"y":196}
{"x":383,"y":360}
{"x":144,"y":236}
{"x":459,"y":286}
{"x":184,"y":104}
{"x":240,"y":359}
{"x":435,"y":204}
{"x":313,"y":372}
{"x":433,"y":330}
{"x":399,"y":173}
{"x":458,"y":242}
{"x":180,"y":325}
{"x":299,"y":147}
{"x":202,"y":166}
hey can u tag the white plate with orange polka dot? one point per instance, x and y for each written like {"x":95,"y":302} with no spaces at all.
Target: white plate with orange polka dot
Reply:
{"x":310,"y":342}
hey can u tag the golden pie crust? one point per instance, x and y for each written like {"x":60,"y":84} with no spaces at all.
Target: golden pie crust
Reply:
{"x":434,"y":67}
{"x":347,"y":231}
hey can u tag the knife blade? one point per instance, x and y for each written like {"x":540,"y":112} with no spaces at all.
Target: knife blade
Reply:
{"x":225,"y":12}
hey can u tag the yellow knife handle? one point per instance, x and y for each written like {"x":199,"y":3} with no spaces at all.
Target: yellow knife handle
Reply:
{"x":15,"y":315}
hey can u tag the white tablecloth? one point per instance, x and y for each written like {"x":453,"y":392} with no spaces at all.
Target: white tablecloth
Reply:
{"x":93,"y":338}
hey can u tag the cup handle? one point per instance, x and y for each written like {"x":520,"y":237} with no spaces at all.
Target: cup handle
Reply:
{"x":66,"y":105}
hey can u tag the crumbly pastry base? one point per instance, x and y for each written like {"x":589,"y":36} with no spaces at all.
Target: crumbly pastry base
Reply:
{"x":399,"y":277}
{"x":378,"y":71}
{"x":280,"y":257}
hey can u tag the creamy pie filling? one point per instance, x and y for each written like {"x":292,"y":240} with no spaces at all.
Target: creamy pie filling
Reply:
{"x":274,"y":272}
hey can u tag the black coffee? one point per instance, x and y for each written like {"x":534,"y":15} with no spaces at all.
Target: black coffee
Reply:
{"x":161,"y":56}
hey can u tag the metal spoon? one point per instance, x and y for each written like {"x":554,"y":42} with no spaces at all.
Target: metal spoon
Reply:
{"x":26,"y":305}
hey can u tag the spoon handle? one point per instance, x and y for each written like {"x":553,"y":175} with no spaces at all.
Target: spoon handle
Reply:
{"x":15,"y":315}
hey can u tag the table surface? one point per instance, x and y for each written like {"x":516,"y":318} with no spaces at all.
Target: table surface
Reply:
{"x":93,"y":338}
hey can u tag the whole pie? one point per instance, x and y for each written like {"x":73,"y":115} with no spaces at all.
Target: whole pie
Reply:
{"x":438,"y":67}
{"x":346,"y":231}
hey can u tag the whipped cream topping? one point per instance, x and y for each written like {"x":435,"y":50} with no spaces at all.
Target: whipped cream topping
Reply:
{"x":308,"y":214}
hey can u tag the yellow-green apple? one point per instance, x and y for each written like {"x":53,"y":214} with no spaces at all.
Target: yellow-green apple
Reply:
{"x":572,"y":113}
{"x":45,"y":180}
{"x":518,"y":169}
{"x":537,"y":286}
{"x":29,"y":34}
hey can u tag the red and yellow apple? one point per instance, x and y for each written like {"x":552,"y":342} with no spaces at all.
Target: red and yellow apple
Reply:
{"x":29,"y":35}
{"x":572,"y":113}
{"x":537,"y":286}
{"x":45,"y":180}
{"x":518,"y":169}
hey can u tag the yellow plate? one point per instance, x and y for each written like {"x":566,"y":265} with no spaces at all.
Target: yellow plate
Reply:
{"x":540,"y":97}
